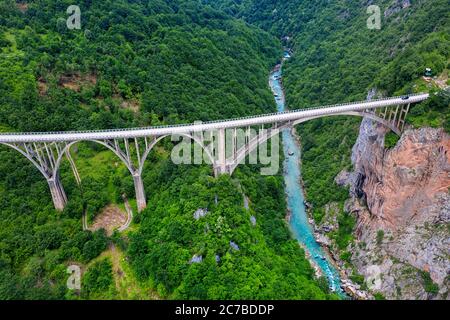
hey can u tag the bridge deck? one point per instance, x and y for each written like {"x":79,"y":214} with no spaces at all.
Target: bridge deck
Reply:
{"x":208,"y":126}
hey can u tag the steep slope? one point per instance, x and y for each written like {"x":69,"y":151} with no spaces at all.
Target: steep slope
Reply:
{"x":401,"y":199}
{"x":176,"y":60}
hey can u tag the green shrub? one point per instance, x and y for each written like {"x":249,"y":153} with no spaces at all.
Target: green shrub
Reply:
{"x":357,"y":278}
{"x":380,"y":237}
{"x":379,"y":296}
{"x":98,"y":280}
{"x":391,"y":139}
{"x":346,"y":256}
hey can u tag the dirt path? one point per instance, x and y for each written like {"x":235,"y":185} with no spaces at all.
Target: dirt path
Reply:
{"x":85,"y":224}
{"x":115,"y":260}
{"x":127,"y":286}
{"x":129,"y":213}
{"x":110,"y":219}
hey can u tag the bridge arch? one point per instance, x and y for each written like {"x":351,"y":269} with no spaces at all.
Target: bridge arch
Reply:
{"x":155,"y":142}
{"x":129,"y":165}
{"x":369,"y":115}
{"x":50,"y":174}
{"x":136,"y":172}
{"x":41,"y":170}
{"x":69,"y":145}
{"x":254,"y":144}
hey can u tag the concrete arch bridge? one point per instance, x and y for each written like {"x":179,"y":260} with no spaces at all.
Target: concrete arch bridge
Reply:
{"x":225,"y":143}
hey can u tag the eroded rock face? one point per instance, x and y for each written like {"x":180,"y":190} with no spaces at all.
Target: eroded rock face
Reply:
{"x":400,"y":183}
{"x":367,"y":158}
{"x":401,"y":256}
{"x":403,"y":192}
{"x":397,"y":6}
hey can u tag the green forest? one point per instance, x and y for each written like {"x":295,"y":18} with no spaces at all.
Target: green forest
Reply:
{"x":139,"y":63}
{"x":143,"y":63}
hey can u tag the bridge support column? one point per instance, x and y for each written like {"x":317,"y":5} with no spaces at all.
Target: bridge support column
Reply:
{"x":58,"y":195}
{"x":221,"y":162}
{"x":139,"y":190}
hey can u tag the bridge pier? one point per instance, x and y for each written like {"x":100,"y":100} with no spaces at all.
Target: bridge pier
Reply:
{"x":221,"y":158}
{"x":58,"y":194}
{"x":219,"y":170}
{"x":139,"y":190}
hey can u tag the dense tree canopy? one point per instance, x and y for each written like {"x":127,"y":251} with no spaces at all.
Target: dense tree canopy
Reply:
{"x":139,"y":63}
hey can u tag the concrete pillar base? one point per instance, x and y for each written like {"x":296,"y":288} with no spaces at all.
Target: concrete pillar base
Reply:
{"x":58,"y":194}
{"x":140,"y":194}
{"x":220,"y":170}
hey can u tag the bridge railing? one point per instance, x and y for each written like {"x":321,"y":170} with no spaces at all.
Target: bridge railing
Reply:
{"x":208,"y":122}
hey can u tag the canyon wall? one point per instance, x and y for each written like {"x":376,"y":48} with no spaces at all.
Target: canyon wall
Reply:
{"x":401,"y":199}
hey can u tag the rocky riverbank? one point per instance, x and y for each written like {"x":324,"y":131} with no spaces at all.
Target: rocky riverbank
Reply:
{"x":354,"y":290}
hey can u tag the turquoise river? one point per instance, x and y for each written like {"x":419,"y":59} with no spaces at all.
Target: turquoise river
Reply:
{"x":299,"y":222}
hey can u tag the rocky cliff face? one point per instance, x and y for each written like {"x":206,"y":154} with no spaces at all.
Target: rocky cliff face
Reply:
{"x":397,"y":184}
{"x":397,"y":6}
{"x":402,"y":203}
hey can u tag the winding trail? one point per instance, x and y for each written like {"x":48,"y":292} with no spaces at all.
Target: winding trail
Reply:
{"x":85,"y":224}
{"x":129,"y":214}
